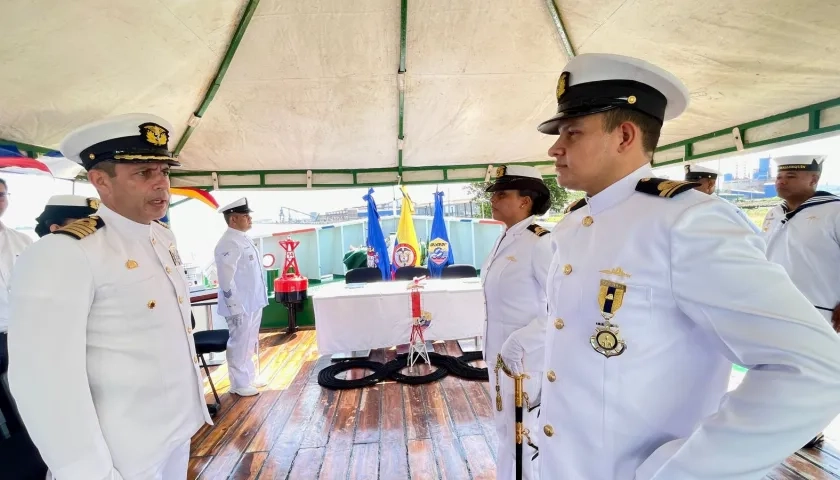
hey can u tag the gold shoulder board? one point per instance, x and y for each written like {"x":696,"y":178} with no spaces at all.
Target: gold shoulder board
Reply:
{"x":662,"y":187}
{"x":82,"y":227}
{"x":571,"y":208}
{"x":537,"y":230}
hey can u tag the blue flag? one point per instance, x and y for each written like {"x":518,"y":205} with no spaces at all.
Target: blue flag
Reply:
{"x":440,"y":251}
{"x":377,"y":249}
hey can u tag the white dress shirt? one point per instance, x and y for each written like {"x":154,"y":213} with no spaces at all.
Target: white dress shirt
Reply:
{"x":12,"y":244}
{"x":103,"y":365}
{"x":691,"y":293}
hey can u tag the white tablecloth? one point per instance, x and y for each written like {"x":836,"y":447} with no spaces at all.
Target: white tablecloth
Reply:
{"x":378,"y":315}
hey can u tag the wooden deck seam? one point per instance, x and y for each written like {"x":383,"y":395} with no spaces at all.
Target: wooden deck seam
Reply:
{"x":803,"y":457}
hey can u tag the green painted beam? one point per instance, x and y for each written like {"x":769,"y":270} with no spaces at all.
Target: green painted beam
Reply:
{"x":220,"y":74}
{"x":401,"y":85}
{"x":811,"y":115}
{"x":561,"y":29}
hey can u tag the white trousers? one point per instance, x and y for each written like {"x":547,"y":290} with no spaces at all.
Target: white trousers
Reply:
{"x":243,"y":341}
{"x":174,"y":467}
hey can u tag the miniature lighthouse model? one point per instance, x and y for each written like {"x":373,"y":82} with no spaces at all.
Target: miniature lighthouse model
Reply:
{"x":422,"y":319}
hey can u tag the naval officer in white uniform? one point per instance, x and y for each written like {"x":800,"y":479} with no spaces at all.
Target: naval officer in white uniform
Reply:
{"x":103,"y":365}
{"x":513,"y":277}
{"x":242,"y":296}
{"x":706,"y":178}
{"x":63,"y":209}
{"x":655,"y":289}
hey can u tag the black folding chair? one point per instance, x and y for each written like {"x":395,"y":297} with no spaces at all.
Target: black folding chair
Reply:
{"x":206,"y":342}
{"x":408,"y":273}
{"x":459,"y":271}
{"x":363,"y":275}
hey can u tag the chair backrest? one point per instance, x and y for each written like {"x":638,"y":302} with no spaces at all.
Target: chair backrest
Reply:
{"x":363,"y":275}
{"x":408,"y":273}
{"x":459,"y":271}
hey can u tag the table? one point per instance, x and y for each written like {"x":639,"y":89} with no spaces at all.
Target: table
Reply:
{"x":354,"y":317}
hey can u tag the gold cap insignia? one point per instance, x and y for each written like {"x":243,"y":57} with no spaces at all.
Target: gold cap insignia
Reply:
{"x":130,"y":264}
{"x":501,"y":171}
{"x":93,"y":203}
{"x":155,"y":134}
{"x":562,"y":82}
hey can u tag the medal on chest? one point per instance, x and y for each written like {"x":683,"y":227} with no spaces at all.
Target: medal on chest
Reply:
{"x":607,"y":339}
{"x":173,"y":252}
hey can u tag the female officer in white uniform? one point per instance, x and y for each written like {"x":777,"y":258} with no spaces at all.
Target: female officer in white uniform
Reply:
{"x":514,"y":278}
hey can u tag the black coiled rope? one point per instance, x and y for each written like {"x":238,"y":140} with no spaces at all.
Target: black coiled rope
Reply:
{"x":445,"y":364}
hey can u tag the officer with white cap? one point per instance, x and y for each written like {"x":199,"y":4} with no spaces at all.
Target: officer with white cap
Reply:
{"x":107,"y":379}
{"x":706,"y":180}
{"x":654,"y":291}
{"x":513,"y":277}
{"x":63,"y":209}
{"x":242,"y":296}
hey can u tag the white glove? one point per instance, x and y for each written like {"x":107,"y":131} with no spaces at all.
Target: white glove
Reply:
{"x":234,"y":320}
{"x":513,"y":353}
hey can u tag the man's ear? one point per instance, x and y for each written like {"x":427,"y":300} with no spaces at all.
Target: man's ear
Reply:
{"x":630,"y":135}
{"x":54,"y":227}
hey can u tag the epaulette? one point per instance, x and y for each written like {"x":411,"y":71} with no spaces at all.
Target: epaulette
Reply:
{"x":161,"y":224}
{"x":82,"y":227}
{"x":537,"y":230}
{"x":571,"y":208}
{"x":662,"y":187}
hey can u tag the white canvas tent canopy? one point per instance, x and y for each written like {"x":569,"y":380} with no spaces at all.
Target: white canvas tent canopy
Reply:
{"x":336,"y":93}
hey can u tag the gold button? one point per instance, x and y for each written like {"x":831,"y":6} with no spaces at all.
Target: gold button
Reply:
{"x":567,"y":269}
{"x":195,"y":360}
{"x":587,"y":221}
{"x":549,"y":430}
{"x":551,"y":376}
{"x":168,"y":270}
{"x":180,"y":299}
{"x":151,"y":304}
{"x":153,"y":241}
{"x":558,"y":323}
{"x":189,"y":329}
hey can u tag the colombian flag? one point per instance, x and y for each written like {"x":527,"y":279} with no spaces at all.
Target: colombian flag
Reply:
{"x":407,"y":248}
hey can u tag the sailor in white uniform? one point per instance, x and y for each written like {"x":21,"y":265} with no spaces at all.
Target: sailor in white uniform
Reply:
{"x":706,"y":178}
{"x":242,"y":296}
{"x":804,"y":231}
{"x":654,"y":291}
{"x":103,"y":365}
{"x":513,"y":277}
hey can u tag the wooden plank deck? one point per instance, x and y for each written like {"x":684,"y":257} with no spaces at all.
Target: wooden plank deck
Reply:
{"x":297,"y":430}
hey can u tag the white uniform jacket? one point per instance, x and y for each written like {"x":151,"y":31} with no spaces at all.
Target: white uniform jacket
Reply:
{"x":806,"y":242}
{"x":691,"y":292}
{"x":514,"y":280}
{"x":12,"y":244}
{"x":241,"y":279}
{"x":102,"y":361}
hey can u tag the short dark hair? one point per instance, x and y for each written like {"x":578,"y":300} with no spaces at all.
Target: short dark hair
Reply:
{"x":540,"y":202}
{"x":650,"y":127}
{"x":3,"y":182}
{"x":228,"y":216}
{"x":107,"y":166}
